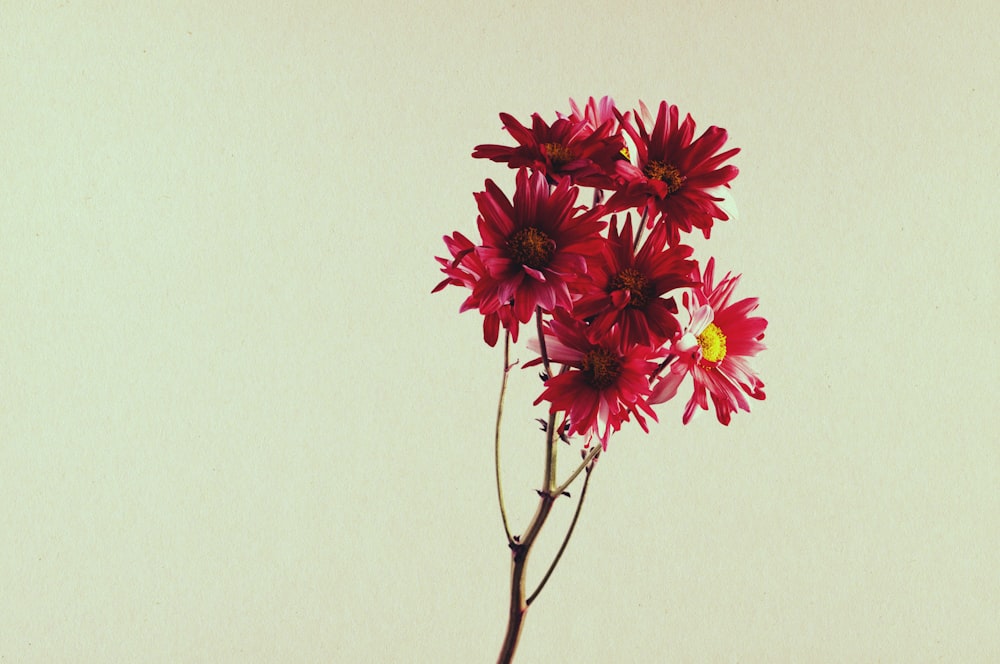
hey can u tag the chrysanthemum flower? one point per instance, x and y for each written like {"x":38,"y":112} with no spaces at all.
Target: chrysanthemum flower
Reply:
{"x":569,"y":149}
{"x":676,"y":176}
{"x":607,"y":380}
{"x":627,"y":287}
{"x":596,"y":113}
{"x":535,"y":249}
{"x":714,"y":349}
{"x":466,"y":269}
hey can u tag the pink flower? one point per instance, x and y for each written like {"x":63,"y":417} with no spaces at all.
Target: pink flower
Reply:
{"x":675,"y":174}
{"x":627,"y":287}
{"x":535,"y":249}
{"x":466,"y":269}
{"x":569,"y":149}
{"x":596,"y":113}
{"x":606,"y":382}
{"x":714,"y":349}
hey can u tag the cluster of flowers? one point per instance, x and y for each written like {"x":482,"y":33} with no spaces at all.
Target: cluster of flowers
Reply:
{"x":603,"y":293}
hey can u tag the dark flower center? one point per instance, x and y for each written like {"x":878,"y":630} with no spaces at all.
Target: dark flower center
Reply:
{"x":558,"y":154}
{"x":658,"y":170}
{"x":530,"y":246}
{"x":601,"y":368}
{"x":636,"y":283}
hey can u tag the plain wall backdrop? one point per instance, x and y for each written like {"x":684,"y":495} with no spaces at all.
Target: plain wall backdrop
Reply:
{"x":235,"y":426}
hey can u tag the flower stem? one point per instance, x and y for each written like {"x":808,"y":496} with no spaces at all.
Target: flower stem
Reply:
{"x":586,"y":461}
{"x":569,"y":533}
{"x":520,"y":550}
{"x":541,"y":343}
{"x":496,"y":437}
{"x":520,"y":547}
{"x":642,"y":227}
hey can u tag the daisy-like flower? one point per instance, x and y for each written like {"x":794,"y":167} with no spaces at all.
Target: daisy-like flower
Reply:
{"x":607,"y":381}
{"x":676,"y":176}
{"x":627,"y":287}
{"x":569,"y":149}
{"x":535,"y":249}
{"x":466,"y":269}
{"x":596,"y":113}
{"x":714,"y":349}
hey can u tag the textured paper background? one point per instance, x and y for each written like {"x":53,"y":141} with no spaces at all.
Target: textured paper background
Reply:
{"x":236,"y":427}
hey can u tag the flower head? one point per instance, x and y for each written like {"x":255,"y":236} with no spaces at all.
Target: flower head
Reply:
{"x":534,"y":249}
{"x":607,"y":381}
{"x":714,"y":349}
{"x":466,"y":269}
{"x":568,"y":149}
{"x":626,"y":286}
{"x":676,"y":177}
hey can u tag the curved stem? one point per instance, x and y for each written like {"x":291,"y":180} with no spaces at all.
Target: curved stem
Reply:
{"x":496,"y":436}
{"x":569,"y":533}
{"x":521,"y":549}
{"x":586,"y":461}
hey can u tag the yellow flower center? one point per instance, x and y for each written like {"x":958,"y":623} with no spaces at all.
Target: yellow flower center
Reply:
{"x":558,"y":153}
{"x":601,"y":368}
{"x":624,"y":152}
{"x":658,"y":170}
{"x":636,"y":284}
{"x":713,"y":343}
{"x":530,"y":246}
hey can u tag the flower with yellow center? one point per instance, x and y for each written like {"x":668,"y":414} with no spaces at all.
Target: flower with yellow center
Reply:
{"x":715,"y":349}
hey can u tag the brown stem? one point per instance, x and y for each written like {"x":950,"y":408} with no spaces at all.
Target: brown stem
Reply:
{"x":569,"y":533}
{"x":521,"y":548}
{"x":519,"y":562}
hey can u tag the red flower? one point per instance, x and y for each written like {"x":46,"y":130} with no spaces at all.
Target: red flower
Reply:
{"x":627,"y":287}
{"x":569,"y":149}
{"x":714,"y":349}
{"x":534,"y":249}
{"x":466,"y":269}
{"x":607,"y":380}
{"x":674,"y":176}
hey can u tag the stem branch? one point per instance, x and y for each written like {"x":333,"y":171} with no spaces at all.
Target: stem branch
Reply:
{"x":496,"y":437}
{"x":569,"y":533}
{"x":586,"y":461}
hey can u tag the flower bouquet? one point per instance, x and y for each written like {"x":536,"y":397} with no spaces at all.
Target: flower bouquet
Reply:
{"x":589,"y":249}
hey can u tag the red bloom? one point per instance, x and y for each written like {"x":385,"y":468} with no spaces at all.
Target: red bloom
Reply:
{"x":534,"y":249}
{"x":607,"y":380}
{"x":674,"y":177}
{"x":627,"y":287}
{"x":466,"y":269}
{"x":714,"y":349}
{"x":569,"y":149}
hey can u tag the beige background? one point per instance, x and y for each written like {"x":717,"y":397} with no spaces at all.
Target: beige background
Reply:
{"x":236,"y":427}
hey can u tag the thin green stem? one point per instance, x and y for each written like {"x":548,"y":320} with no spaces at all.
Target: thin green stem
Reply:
{"x":569,"y":533}
{"x":590,"y":457}
{"x":549,"y":481}
{"x":496,"y":437}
